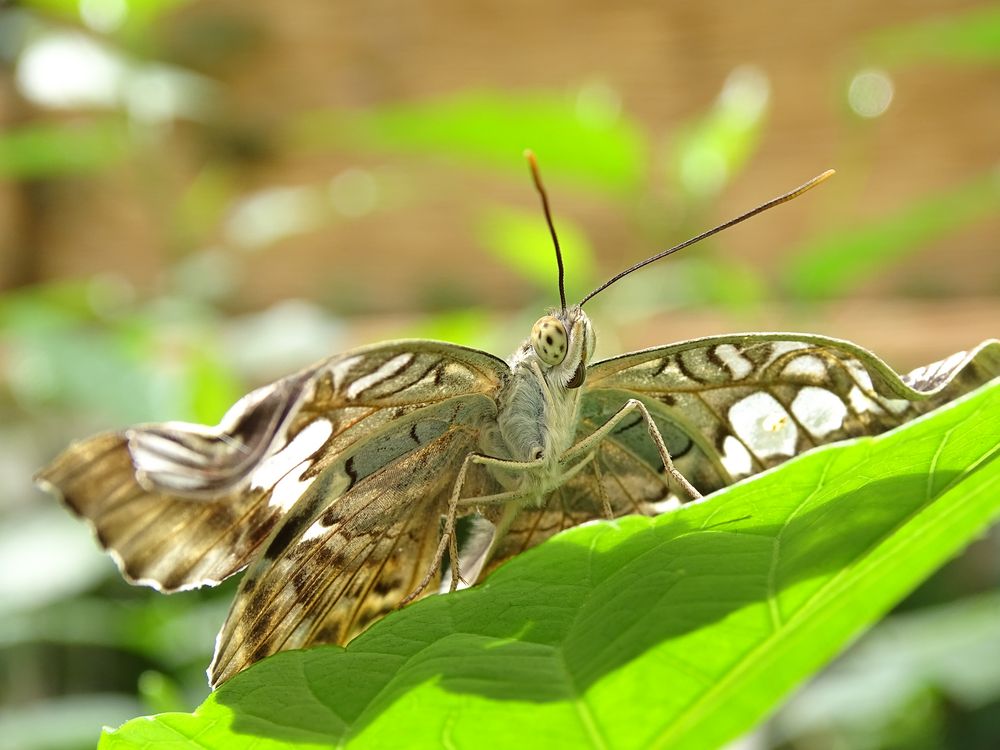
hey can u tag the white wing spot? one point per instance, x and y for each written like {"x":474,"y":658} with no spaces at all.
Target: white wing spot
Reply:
{"x":860,"y":399}
{"x":384,"y":372}
{"x":154,"y":475}
{"x":154,"y":453}
{"x":672,"y":502}
{"x":933,"y":375}
{"x":763,"y":424}
{"x":339,"y":370}
{"x":302,"y":446}
{"x":860,"y":374}
{"x":819,"y":410}
{"x":314,"y":532}
{"x":807,"y":366}
{"x":860,"y":402}
{"x":739,"y":366}
{"x":736,"y":458}
{"x":781,"y":348}
{"x":775,"y":422}
{"x":896,"y":405}
{"x":290,"y":488}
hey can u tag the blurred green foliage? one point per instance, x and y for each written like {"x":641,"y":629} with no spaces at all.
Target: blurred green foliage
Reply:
{"x":135,"y":15}
{"x":840,"y":260}
{"x":513,"y":237}
{"x":490,"y":126}
{"x":67,"y":349}
{"x":960,"y":38}
{"x":708,"y":152}
{"x":39,"y":151}
{"x":85,"y":649}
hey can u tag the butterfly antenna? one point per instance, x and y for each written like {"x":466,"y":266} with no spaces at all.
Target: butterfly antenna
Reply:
{"x":537,"y":177}
{"x":732,"y":222}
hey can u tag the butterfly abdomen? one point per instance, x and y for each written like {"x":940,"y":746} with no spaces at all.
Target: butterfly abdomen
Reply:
{"x":521,"y":418}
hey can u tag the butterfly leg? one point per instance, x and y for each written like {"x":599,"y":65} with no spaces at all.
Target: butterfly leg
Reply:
{"x":448,"y":538}
{"x":589,"y":444}
{"x":511,"y":499}
{"x":605,"y":502}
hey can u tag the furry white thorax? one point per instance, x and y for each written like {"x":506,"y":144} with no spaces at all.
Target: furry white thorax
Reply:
{"x":539,"y":410}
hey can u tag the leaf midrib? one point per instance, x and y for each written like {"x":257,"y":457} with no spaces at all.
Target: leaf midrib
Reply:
{"x":822,"y":600}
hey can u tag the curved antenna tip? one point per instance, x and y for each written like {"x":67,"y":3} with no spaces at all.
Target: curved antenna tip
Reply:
{"x":537,"y":178}
{"x":790,"y":195}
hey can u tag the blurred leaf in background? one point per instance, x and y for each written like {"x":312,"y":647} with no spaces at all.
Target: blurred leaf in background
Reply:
{"x":521,"y":241}
{"x":962,"y":37}
{"x":65,"y":348}
{"x":920,"y":671}
{"x":838,"y":261}
{"x":706,"y":154}
{"x":39,"y":151}
{"x":588,"y":138}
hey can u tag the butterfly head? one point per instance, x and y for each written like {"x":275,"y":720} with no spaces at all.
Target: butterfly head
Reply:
{"x":562,"y":343}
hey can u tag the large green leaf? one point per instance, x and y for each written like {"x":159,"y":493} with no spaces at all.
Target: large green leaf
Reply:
{"x":681,"y":631}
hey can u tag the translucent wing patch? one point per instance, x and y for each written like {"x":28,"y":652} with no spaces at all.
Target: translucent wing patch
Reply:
{"x":181,"y":505}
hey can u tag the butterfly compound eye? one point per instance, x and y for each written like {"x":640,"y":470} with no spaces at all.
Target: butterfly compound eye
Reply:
{"x":548,"y":339}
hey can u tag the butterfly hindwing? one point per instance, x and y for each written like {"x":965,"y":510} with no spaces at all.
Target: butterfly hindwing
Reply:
{"x":628,"y":481}
{"x":358,"y":541}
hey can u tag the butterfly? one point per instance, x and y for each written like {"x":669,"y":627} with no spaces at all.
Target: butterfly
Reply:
{"x":340,"y":488}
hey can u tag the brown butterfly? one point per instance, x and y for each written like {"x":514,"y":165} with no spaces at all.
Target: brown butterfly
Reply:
{"x":339,"y":487}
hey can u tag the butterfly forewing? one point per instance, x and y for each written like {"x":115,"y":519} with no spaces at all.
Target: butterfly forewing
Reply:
{"x":729,"y":407}
{"x":748,"y":402}
{"x":223,"y":490}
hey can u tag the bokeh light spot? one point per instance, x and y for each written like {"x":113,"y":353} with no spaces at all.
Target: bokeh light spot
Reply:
{"x":103,"y":16}
{"x":870,"y":93}
{"x":69,"y":70}
{"x":746,"y":93}
{"x":354,"y":192}
{"x":598,"y":105}
{"x":268,"y":216}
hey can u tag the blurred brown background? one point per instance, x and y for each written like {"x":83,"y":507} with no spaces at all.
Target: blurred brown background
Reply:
{"x":197,"y":196}
{"x":264,"y":68}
